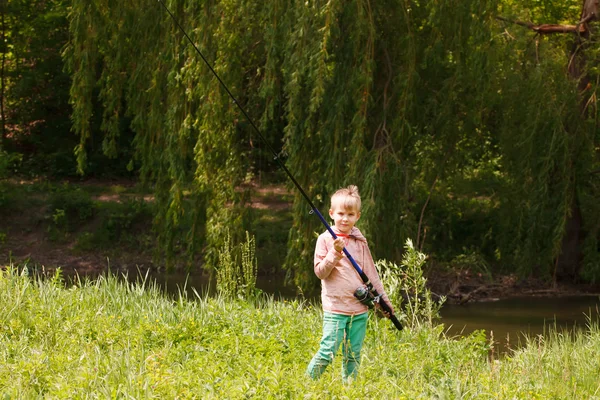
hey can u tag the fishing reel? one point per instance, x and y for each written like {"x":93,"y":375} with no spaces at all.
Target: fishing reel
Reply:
{"x":364,"y":295}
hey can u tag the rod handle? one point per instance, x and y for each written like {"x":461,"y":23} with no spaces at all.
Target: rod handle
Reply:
{"x":396,"y":322}
{"x":385,"y":307}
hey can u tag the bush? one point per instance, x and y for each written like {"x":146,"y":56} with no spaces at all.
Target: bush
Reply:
{"x":120,"y":223}
{"x":68,"y":210}
{"x":8,"y":161}
{"x":406,"y":287}
{"x":77,"y":205}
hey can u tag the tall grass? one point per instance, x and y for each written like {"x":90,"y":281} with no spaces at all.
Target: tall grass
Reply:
{"x":113,"y":339}
{"x":238,"y":269}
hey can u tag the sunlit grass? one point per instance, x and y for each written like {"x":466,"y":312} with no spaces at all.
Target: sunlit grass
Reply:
{"x":109,"y":338}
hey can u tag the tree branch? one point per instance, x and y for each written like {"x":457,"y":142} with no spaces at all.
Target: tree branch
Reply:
{"x":552,"y":28}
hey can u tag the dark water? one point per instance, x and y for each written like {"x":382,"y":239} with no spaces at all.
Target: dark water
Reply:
{"x":509,"y":319}
{"x":190,"y":284}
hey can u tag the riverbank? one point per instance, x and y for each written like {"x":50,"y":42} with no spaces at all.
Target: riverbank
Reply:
{"x":462,"y":287}
{"x":111,"y":228}
{"x":457,"y":288}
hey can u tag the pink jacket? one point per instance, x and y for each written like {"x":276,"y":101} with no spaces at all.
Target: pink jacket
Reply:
{"x":338,"y":277}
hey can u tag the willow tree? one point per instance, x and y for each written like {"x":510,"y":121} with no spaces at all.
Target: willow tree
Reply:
{"x":377,"y":96}
{"x":403,"y":99}
{"x":189,"y":143}
{"x":552,"y":162}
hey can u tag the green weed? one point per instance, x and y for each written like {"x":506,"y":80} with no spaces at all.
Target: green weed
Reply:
{"x":406,"y":287}
{"x":238,"y":268}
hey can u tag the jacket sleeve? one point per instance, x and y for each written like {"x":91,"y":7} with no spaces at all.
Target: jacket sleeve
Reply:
{"x":371,"y":271}
{"x":326,"y":258}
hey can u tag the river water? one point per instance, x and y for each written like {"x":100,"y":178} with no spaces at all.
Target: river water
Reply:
{"x":511,"y":319}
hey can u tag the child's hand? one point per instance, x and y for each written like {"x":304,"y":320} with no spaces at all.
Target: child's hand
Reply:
{"x":380,"y":311}
{"x":338,"y":244}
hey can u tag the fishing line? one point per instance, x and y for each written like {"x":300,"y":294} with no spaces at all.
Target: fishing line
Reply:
{"x":314,"y":209}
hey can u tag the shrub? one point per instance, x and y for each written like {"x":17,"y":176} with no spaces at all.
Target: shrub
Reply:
{"x":8,"y":162}
{"x":76,"y":205}
{"x":406,"y":287}
{"x":119,"y":225}
{"x":68,"y":210}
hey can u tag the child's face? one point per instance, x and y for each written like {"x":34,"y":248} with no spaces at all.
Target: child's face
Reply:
{"x":344,"y":218}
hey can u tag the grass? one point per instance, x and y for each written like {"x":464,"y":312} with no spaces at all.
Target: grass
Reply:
{"x":113,"y":339}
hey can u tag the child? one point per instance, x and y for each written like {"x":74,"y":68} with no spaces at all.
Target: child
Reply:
{"x":344,"y":317}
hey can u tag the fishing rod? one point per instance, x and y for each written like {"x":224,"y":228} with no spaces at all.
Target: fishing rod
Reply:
{"x":366,"y":297}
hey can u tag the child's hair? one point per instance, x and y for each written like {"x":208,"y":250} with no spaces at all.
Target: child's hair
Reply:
{"x":347,"y":197}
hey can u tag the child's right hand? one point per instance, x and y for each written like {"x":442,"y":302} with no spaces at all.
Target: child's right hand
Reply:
{"x":338,"y":244}
{"x":380,"y":312}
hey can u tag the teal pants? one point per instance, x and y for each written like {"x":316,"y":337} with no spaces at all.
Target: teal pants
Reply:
{"x":347,"y":330}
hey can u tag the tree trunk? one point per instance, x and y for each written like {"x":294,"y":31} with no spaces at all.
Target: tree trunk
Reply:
{"x":569,"y":259}
{"x":568,"y":262}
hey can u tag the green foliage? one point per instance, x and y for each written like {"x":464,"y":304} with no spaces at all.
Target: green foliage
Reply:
{"x":5,"y":200}
{"x":406,"y":287}
{"x":591,"y":217}
{"x":271,"y":228}
{"x":461,"y":130}
{"x":471,"y":261}
{"x":76,"y":204}
{"x":186,"y":143}
{"x":69,"y":208}
{"x":123,"y":224}
{"x":456,"y":224}
{"x":17,"y":198}
{"x":124,"y":219}
{"x":271,"y":221}
{"x":237,"y":270}
{"x":35,"y":89}
{"x":4,"y":162}
{"x":8,"y":163}
{"x":402,"y":75}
